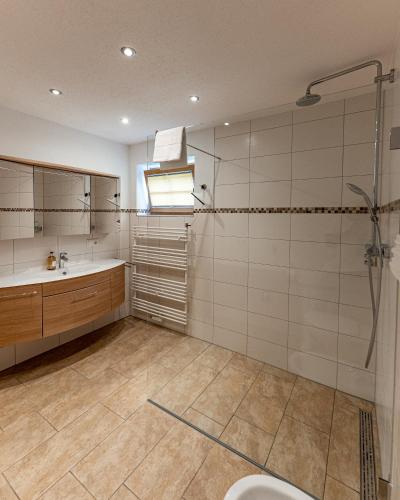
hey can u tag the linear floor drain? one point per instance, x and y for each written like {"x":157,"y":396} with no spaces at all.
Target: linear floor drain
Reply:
{"x":368,"y":487}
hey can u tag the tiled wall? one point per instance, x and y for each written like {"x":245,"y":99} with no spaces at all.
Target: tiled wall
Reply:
{"x":289,"y":289}
{"x":22,"y":254}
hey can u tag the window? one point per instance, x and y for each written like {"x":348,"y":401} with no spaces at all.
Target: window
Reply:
{"x":169,"y":189}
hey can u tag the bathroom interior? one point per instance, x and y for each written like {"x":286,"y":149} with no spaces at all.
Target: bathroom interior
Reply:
{"x":200,"y":250}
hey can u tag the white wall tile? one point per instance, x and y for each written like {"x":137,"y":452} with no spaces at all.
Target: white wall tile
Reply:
{"x":203,"y":246}
{"x":327,"y":110}
{"x":316,"y":227}
{"x":200,"y":330}
{"x":201,"y":289}
{"x":267,"y":328}
{"x":360,"y":103}
{"x":354,"y":291}
{"x":232,"y":172}
{"x":230,"y":295}
{"x":229,"y":271}
{"x":231,"y":224}
{"x":315,"y":256}
{"x":6,"y":252}
{"x":318,"y":134}
{"x":350,"y":199}
{"x":270,"y":142}
{"x":356,"y":228}
{"x":271,"y":121}
{"x":352,"y":260}
{"x":201,"y":310}
{"x":232,"y":196}
{"x":230,"y":340}
{"x":202,"y":224}
{"x":202,"y":267}
{"x":266,"y":251}
{"x":230,"y":318}
{"x":34,"y":249}
{"x":273,"y":226}
{"x":231,"y":248}
{"x":317,"y":163}
{"x":269,"y":303}
{"x":355,"y":321}
{"x":317,"y":192}
{"x":272,"y":278}
{"x":232,"y":129}
{"x":313,"y":341}
{"x":319,"y":369}
{"x":358,"y":159}
{"x":314,"y":284}
{"x":361,"y":383}
{"x":359,"y":127}
{"x":353,"y":351}
{"x":270,"y":194}
{"x":267,"y":352}
{"x":232,"y":148}
{"x":318,"y":313}
{"x":270,"y":168}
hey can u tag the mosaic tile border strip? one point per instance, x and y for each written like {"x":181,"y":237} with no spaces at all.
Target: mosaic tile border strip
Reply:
{"x":392,"y":206}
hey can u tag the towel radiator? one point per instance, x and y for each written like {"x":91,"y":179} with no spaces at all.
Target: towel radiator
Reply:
{"x":159,"y":283}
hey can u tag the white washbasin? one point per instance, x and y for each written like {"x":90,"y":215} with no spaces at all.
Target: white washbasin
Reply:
{"x":260,"y":487}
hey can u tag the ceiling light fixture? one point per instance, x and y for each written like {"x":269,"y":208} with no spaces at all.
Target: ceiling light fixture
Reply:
{"x":194,"y":98}
{"x":226,"y":124}
{"x":55,"y":91}
{"x":128,"y":51}
{"x":125,"y":120}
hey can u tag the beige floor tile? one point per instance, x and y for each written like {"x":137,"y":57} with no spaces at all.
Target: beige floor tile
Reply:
{"x":62,"y":412}
{"x":344,"y":448}
{"x":245,"y":364}
{"x":249,"y":440}
{"x":222,"y":397}
{"x":104,"y":470}
{"x":278,"y":372}
{"x":352,"y":402}
{"x":184,"y":389}
{"x":275,"y":388}
{"x":219,"y":471}
{"x":123,"y":493}
{"x":51,"y":460}
{"x":215,"y":358}
{"x":67,"y":488}
{"x":14,"y":403}
{"x":338,"y":491}
{"x":168,"y":469}
{"x":261,"y":412}
{"x":6,"y":492}
{"x":299,"y":454}
{"x":22,"y":437}
{"x":312,"y":404}
{"x":127,"y":399}
{"x":183,"y":353}
{"x":202,"y":422}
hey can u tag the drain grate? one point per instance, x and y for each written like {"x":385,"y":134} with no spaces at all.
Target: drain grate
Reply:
{"x":368,"y":487}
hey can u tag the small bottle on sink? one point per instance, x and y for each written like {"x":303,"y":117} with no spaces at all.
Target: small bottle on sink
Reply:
{"x":51,"y":262}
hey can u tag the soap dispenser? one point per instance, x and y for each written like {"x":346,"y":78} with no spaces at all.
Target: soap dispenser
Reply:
{"x":51,"y":262}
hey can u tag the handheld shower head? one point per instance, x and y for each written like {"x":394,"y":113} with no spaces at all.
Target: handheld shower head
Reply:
{"x":357,"y":190}
{"x":308,"y":99}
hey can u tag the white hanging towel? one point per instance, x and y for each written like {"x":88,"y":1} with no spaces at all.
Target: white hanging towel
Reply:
{"x":170,"y":146}
{"x":395,"y":260}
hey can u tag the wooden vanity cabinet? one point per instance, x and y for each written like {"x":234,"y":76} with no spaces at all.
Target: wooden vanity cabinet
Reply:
{"x":35,"y":311}
{"x":20,"y":314}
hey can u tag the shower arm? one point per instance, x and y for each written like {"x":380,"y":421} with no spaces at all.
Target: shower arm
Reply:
{"x":378,"y":80}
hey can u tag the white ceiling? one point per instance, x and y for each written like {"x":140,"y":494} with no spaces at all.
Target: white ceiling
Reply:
{"x":237,"y":55}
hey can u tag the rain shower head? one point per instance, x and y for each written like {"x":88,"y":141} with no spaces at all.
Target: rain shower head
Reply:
{"x":357,"y":190}
{"x":308,"y":99}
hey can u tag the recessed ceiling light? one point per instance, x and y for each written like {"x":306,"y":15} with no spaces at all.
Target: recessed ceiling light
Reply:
{"x":125,"y":120}
{"x":226,"y":124}
{"x":194,"y":98}
{"x":128,"y":51}
{"x":55,"y":91}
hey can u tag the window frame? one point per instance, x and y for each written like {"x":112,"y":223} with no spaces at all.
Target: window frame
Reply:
{"x":169,"y":170}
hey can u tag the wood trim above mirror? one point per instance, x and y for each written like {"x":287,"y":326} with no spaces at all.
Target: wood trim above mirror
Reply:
{"x":58,"y":166}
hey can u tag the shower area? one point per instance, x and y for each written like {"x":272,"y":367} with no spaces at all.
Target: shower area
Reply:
{"x":291,"y":312}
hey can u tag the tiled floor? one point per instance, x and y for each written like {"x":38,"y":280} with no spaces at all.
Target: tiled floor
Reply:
{"x":75,"y":424}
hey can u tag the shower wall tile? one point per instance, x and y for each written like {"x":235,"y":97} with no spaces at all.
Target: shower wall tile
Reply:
{"x":202,"y":267}
{"x":314,"y":284}
{"x":271,"y":121}
{"x":313,"y":340}
{"x":231,"y":248}
{"x":355,"y":381}
{"x":233,"y":148}
{"x":269,"y":303}
{"x":201,"y":310}
{"x":201,"y":289}
{"x":353,"y":351}
{"x":270,"y":168}
{"x":271,"y":142}
{"x":324,"y":228}
{"x":229,"y":196}
{"x":231,"y":224}
{"x":335,"y":108}
{"x":355,"y":321}
{"x":230,"y":295}
{"x":356,"y":228}
{"x":267,"y":251}
{"x":359,"y":127}
{"x":352,"y":260}
{"x":272,"y":278}
{"x":319,"y":369}
{"x":273,"y":226}
{"x":354,"y":291}
{"x":202,"y":331}
{"x":230,"y":340}
{"x":311,"y":312}
{"x":358,"y":159}
{"x":267,"y":352}
{"x":315,"y":256}
{"x":234,"y":272}
{"x":326,"y":133}
{"x":317,"y":192}
{"x":232,"y":129}
{"x":230,"y":318}
{"x":232,"y":172}
{"x":267,"y":328}
{"x":317,"y":163}
{"x":362,"y":102}
{"x":274,"y":194}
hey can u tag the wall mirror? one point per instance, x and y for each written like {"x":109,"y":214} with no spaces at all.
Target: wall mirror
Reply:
{"x":16,"y":192}
{"x":105,"y":200}
{"x":68,"y":194}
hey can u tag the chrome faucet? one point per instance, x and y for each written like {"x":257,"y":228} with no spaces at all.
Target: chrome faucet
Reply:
{"x":62,"y":259}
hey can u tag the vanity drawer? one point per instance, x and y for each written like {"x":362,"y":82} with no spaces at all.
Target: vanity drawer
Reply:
{"x":20,"y":314}
{"x":65,"y":311}
{"x":71,"y":284}
{"x":118,"y":286}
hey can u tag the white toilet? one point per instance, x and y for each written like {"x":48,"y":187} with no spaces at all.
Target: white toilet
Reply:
{"x":260,"y":487}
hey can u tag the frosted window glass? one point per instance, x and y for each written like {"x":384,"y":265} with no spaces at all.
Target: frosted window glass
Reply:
{"x":171,"y":189}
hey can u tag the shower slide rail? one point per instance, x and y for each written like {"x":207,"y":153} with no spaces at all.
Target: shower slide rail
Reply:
{"x":159,"y":285}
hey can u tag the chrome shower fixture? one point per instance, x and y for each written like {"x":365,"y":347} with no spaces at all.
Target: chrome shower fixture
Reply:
{"x":308,"y":99}
{"x":357,"y":190}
